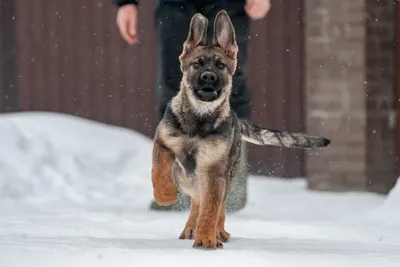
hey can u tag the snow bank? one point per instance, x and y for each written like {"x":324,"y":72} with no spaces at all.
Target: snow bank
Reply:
{"x":62,"y":159}
{"x":78,"y":163}
{"x":73,"y":162}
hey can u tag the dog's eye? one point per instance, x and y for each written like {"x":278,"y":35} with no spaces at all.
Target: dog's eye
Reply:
{"x":196,"y":64}
{"x":221,"y":66}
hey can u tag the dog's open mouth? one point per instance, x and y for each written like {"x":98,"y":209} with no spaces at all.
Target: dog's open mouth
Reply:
{"x":207,"y":94}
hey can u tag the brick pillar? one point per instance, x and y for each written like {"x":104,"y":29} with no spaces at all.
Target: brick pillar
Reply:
{"x":350,"y":93}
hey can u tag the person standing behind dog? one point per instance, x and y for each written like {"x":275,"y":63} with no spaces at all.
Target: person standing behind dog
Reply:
{"x":172,"y":21}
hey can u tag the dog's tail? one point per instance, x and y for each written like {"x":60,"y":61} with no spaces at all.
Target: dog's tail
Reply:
{"x":259,"y":136}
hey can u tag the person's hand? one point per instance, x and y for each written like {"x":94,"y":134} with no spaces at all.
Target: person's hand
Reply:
{"x":127,"y":21}
{"x":257,"y":9}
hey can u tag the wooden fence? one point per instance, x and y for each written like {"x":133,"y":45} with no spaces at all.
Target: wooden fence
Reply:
{"x":67,"y":56}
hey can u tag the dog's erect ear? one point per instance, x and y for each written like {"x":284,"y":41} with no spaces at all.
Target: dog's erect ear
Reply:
{"x":197,"y":33}
{"x":224,"y":34}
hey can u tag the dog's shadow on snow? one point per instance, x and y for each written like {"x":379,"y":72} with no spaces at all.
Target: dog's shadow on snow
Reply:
{"x":277,"y":245}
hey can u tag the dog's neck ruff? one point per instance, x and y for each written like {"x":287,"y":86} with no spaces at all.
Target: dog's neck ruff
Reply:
{"x":185,"y":103}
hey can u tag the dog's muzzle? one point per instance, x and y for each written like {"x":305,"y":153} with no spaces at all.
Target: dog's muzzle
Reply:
{"x":207,"y":90}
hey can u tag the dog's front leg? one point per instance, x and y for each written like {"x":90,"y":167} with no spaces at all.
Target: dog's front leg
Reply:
{"x":164,"y":187}
{"x":213,"y":190}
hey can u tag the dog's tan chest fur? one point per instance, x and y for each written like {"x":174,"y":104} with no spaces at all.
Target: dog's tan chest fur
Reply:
{"x":207,"y":153}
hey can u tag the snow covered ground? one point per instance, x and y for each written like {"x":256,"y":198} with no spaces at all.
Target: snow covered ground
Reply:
{"x":76,"y":193}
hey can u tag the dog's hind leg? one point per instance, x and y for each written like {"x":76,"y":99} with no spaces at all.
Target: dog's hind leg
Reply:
{"x":222,"y":235}
{"x":188,"y":232}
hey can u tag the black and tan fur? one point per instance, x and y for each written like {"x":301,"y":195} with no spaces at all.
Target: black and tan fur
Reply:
{"x":199,"y":138}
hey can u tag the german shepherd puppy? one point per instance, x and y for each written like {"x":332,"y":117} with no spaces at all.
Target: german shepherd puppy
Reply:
{"x":199,"y":139}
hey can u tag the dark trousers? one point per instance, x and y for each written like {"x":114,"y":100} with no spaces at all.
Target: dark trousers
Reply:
{"x":172,"y":25}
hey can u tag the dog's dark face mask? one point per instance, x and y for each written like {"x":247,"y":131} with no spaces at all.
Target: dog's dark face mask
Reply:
{"x":208,"y":69}
{"x":208,"y":77}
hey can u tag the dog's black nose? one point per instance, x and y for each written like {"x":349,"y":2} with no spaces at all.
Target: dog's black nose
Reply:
{"x":209,"y":77}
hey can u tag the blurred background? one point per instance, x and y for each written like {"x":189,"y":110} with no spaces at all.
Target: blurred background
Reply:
{"x":324,"y":67}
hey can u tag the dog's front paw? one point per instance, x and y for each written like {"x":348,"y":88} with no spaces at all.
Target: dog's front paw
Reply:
{"x":207,"y":242}
{"x":164,"y":188}
{"x":167,"y":196}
